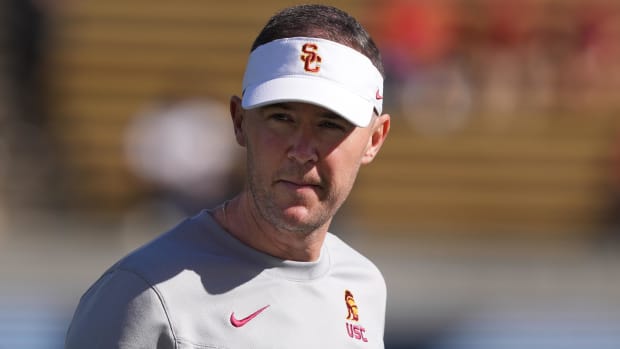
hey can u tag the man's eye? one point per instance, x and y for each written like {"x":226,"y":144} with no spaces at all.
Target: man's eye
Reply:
{"x":332,"y":125}
{"x":280,"y":117}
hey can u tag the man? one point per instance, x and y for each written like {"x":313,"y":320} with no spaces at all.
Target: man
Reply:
{"x":261,"y":270}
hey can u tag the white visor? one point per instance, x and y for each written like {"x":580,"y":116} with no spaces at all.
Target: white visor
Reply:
{"x":316,"y":71}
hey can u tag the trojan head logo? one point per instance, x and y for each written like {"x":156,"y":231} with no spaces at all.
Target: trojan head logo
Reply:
{"x":352,"y":313}
{"x":354,"y":330}
{"x":312,"y":61}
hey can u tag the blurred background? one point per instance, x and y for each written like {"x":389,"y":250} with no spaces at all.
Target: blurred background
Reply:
{"x":493,"y":209}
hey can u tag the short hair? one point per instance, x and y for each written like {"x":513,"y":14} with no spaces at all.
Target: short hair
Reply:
{"x":320,"y":21}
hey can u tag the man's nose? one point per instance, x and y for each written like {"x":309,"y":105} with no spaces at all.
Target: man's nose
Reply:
{"x":303,"y":148}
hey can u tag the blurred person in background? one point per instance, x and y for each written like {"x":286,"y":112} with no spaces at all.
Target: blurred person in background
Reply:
{"x":419,"y":41}
{"x":261,"y":270}
{"x":28,"y":46}
{"x":166,"y":145}
{"x":516,"y":72}
{"x":3,"y":166}
{"x":30,"y":146}
{"x":592,"y":74}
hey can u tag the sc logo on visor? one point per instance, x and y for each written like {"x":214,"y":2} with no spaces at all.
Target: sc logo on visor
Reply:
{"x":312,"y":61}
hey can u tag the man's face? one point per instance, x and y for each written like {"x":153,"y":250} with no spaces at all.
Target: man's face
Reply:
{"x":302,"y":162}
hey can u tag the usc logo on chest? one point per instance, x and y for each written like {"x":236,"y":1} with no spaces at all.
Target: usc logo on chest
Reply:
{"x":310,"y":57}
{"x":354,"y":330}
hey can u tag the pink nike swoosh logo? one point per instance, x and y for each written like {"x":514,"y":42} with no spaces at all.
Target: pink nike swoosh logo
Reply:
{"x":378,"y":95}
{"x":245,"y":320}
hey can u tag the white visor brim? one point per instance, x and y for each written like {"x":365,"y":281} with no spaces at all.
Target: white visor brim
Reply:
{"x":341,"y":79}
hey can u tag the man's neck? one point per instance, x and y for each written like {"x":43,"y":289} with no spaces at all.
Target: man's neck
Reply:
{"x":242,"y":220}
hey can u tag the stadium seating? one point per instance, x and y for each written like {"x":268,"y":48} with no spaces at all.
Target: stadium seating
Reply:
{"x":112,"y":58}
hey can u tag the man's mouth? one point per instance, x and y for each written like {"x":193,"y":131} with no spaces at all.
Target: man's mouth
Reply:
{"x":301,"y":184}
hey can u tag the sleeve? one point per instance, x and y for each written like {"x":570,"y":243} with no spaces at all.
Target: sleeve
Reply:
{"x":121,"y":310}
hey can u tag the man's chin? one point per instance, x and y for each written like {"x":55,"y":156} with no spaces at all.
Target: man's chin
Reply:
{"x":299,"y":219}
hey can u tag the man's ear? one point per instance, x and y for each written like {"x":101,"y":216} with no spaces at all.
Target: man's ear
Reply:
{"x":380,"y":129}
{"x":237,"y":114}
